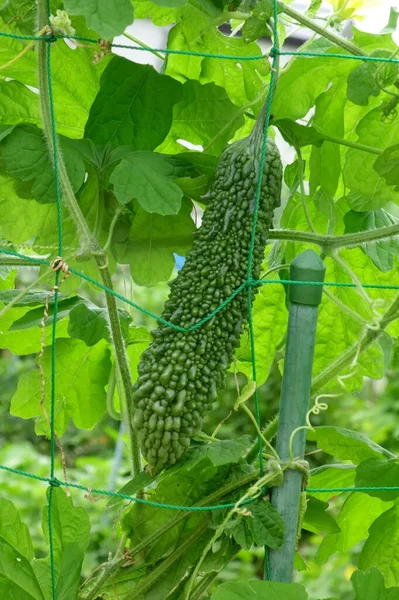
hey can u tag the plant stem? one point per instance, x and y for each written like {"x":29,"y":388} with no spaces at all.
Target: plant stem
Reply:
{"x":111,"y":394}
{"x":302,"y":189}
{"x":110,"y":568}
{"x":208,"y":501}
{"x":87,"y":240}
{"x":122,"y":361}
{"x":43,"y":49}
{"x":346,"y":358}
{"x":24,"y":292}
{"x":143,"y":45}
{"x":326,"y":33}
{"x":269,"y":432}
{"x":264,"y":439}
{"x":156,"y":573}
{"x":9,"y":261}
{"x":350,"y":144}
{"x":331,"y":242}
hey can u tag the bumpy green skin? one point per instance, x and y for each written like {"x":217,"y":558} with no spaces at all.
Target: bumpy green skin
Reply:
{"x":180,"y":373}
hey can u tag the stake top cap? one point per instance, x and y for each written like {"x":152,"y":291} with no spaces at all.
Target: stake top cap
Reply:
{"x":308,"y":266}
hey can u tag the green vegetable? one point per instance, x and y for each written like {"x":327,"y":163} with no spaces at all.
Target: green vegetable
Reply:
{"x":180,"y":373}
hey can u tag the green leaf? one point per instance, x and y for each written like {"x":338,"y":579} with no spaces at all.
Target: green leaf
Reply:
{"x":266,"y":525}
{"x":246,"y":393}
{"x":317,"y":520}
{"x":89,"y":323}
{"x":382,"y":252}
{"x":254,"y":29}
{"x":298,"y":135}
{"x":29,"y":299}
{"x":376,"y":472}
{"x":74,"y":76}
{"x":311,"y":76}
{"x":242,"y":80}
{"x":269,"y":317}
{"x":346,"y":444}
{"x":139,"y":482}
{"x":325,"y":162}
{"x":108,"y":17}
{"x":331,"y":476}
{"x":18,"y":104}
{"x":138,"y":341}
{"x":33,"y":318}
{"x":369,"y":189}
{"x":381,"y":549}
{"x":242,"y":534}
{"x":204,"y":116}
{"x":370,"y":585}
{"x":147,"y":176}
{"x":17,"y":569}
{"x":13,"y":531}
{"x":81,"y":374}
{"x":259,"y":590}
{"x":149,"y":245}
{"x":387,"y":165}
{"x":26,"y":158}
{"x":71,"y":536}
{"x":224,"y":452}
{"x":357,"y":514}
{"x":362,"y":84}
{"x":134,"y":106}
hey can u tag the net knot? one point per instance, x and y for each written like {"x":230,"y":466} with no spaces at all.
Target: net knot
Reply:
{"x":53,"y":481}
{"x":49,"y":36}
{"x":59,"y":264}
{"x":251,"y":282}
{"x":274,"y":52}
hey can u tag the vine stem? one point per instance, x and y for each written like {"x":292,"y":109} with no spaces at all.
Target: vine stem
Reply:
{"x":347,"y":357}
{"x":132,"y":38}
{"x":111,"y":568}
{"x":209,"y":500}
{"x":87,"y":240}
{"x":251,"y":493}
{"x":331,"y":242}
{"x":326,"y":33}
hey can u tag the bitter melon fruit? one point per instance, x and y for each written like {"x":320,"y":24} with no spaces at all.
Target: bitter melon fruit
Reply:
{"x":181,"y":372}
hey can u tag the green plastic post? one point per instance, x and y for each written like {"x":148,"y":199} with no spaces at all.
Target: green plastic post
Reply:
{"x":294,"y":405}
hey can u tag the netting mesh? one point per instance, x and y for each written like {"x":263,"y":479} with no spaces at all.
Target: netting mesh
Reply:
{"x":49,"y":38}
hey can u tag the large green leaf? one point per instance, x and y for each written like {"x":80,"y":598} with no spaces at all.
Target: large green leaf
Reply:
{"x":316,"y":518}
{"x":197,"y":30}
{"x":17,"y":569}
{"x":304,"y":79}
{"x":89,"y":323}
{"x":71,"y":536}
{"x":369,"y":191}
{"x":81,"y":376}
{"x":108,"y":17}
{"x":149,"y":244}
{"x":357,"y":514}
{"x":269,"y":317}
{"x":346,"y":444}
{"x":259,"y":590}
{"x":13,"y":531}
{"x":370,"y":585}
{"x":148,"y":177}
{"x":75,"y":80}
{"x":325,"y":162}
{"x":381,"y":549}
{"x":18,"y":104}
{"x":376,"y":472}
{"x":204,"y":116}
{"x":224,"y":452}
{"x":331,"y":476}
{"x":26,"y":158}
{"x":133,"y":107}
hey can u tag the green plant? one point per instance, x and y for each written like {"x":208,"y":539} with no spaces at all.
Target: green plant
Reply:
{"x":121,"y":191}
